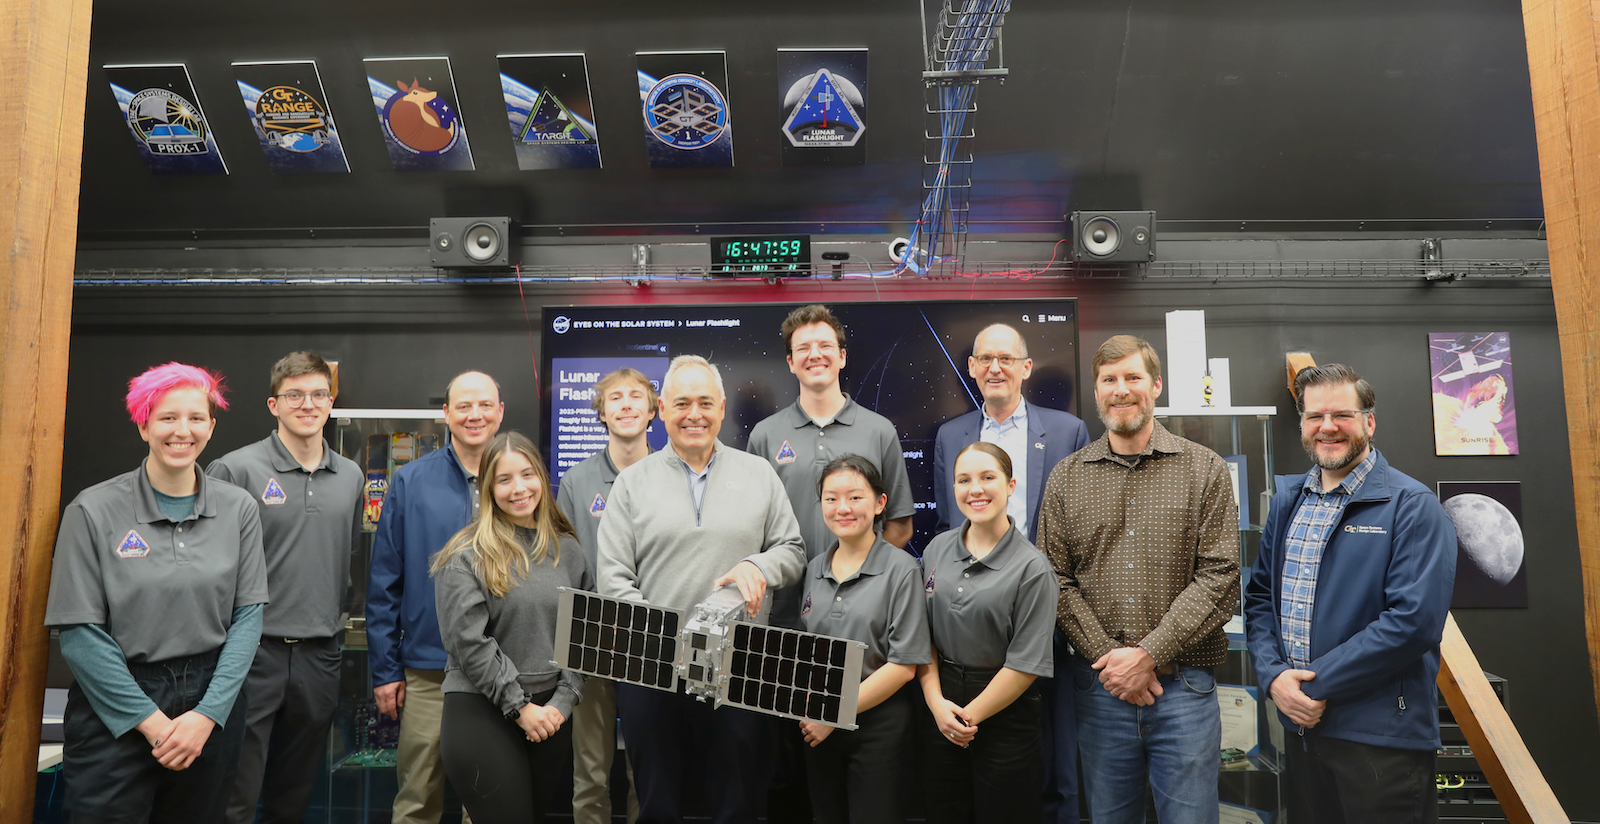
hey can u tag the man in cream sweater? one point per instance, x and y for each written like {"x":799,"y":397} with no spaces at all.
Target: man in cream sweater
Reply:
{"x":681,"y":523}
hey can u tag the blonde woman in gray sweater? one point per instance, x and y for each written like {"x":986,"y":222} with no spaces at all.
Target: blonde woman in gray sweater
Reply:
{"x":504,"y":737}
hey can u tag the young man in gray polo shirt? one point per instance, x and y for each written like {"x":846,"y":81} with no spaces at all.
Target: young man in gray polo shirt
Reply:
{"x":626,"y":404}
{"x":310,"y":500}
{"x":823,"y":424}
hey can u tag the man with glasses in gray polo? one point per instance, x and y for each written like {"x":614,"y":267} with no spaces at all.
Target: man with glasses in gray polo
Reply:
{"x":310,"y":499}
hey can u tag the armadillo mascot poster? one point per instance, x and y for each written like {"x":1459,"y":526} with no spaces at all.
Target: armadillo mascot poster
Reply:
{"x":416,"y":102}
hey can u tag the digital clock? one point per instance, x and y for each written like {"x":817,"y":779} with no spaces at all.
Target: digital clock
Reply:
{"x":786,"y":255}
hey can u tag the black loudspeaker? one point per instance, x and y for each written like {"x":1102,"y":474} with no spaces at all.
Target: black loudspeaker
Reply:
{"x":470,"y":242}
{"x":1113,"y":237}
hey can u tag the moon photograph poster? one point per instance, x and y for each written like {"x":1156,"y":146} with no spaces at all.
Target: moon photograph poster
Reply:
{"x":1491,"y":565}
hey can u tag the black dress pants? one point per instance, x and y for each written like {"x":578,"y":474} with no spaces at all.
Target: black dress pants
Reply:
{"x":998,"y":778}
{"x":294,"y":690}
{"x":674,"y":740}
{"x":1334,"y":781}
{"x":117,"y":781}
{"x":856,"y":775}
{"x":501,"y":776}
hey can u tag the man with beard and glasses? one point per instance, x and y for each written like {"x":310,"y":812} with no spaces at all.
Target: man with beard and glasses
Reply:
{"x":1344,"y":611}
{"x":1141,"y":528}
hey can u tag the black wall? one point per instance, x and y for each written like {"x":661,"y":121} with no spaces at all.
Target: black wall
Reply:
{"x":398,"y":345}
{"x":1251,"y":110}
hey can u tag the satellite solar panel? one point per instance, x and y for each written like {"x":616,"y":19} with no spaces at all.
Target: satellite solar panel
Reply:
{"x":611,"y":638}
{"x":794,"y":674}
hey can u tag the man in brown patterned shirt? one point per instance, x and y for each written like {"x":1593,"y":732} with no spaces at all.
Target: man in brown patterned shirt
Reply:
{"x":1141,"y":529}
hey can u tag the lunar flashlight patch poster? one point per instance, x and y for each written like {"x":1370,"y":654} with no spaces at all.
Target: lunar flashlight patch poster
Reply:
{"x":823,"y":104}
{"x":288,"y":107}
{"x":684,"y":99}
{"x":550,"y":112}
{"x":1491,"y":565}
{"x":1474,"y":401}
{"x":416,"y":102}
{"x":163,"y":113}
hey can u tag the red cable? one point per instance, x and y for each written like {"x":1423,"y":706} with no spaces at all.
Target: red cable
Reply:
{"x":538,"y":393}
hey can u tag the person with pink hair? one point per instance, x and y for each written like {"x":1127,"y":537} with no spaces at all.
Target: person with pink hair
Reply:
{"x":158,"y":589}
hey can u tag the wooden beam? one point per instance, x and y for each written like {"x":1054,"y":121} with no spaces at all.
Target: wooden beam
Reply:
{"x":1565,"y":72}
{"x":1519,"y":786}
{"x":44,"y":57}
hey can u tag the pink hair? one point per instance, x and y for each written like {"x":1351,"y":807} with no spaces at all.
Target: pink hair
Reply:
{"x":145,"y":390}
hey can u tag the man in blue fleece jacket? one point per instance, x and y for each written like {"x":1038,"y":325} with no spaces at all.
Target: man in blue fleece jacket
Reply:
{"x":1344,"y":611}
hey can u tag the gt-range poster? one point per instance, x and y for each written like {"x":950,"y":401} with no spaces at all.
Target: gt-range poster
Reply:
{"x":163,"y":114}
{"x":289,"y":110}
{"x":823,"y":105}
{"x":548,"y":106}
{"x":416,"y":102}
{"x":684,"y":100}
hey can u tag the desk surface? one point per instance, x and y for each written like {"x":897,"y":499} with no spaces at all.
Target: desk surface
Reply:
{"x":49,"y":756}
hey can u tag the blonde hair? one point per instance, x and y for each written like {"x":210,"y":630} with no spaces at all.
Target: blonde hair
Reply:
{"x":497,"y":556}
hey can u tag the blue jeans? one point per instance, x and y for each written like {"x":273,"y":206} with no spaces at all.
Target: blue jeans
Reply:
{"x":1174,"y":743}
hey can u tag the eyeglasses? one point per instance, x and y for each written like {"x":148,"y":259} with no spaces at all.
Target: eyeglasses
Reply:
{"x":1340,"y":418}
{"x":986,"y":361}
{"x":295,"y":397}
{"x":819,"y":348}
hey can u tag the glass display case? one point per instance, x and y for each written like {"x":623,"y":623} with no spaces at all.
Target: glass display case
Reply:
{"x":1243,"y":437}
{"x":359,"y":782}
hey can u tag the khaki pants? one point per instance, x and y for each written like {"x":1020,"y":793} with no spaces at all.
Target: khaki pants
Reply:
{"x":594,"y":744}
{"x":421,"y":772}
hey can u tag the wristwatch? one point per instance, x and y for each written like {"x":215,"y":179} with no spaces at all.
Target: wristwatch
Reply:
{"x":513,"y":715}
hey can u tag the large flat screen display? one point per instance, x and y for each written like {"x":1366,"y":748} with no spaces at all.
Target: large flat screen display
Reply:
{"x":905,"y":360}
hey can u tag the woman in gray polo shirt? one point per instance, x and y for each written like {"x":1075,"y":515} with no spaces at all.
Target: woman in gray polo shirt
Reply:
{"x":864,"y":589}
{"x":504,"y":736}
{"x":991,"y":607}
{"x":158,"y":587}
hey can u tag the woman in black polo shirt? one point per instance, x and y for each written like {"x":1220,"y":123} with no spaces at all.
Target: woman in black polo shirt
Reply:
{"x":864,"y":589}
{"x":158,"y":587}
{"x":991,"y":606}
{"x":504,"y":735}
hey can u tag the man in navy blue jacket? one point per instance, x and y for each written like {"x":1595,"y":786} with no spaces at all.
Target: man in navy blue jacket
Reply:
{"x":1344,"y":611}
{"x":429,"y":500}
{"x":1037,"y":439}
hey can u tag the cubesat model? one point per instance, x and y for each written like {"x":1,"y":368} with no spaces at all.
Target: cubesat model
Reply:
{"x":718,"y":652}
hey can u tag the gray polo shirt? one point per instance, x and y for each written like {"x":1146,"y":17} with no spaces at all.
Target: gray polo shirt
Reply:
{"x":309,"y":522}
{"x":162,"y":589}
{"x":798,"y":449}
{"x":582,"y":498}
{"x":880,"y":605}
{"x":995,"y":612}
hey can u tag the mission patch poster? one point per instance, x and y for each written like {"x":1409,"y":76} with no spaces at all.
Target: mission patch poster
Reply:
{"x":416,"y":102}
{"x":163,"y":113}
{"x":288,"y":108}
{"x":550,"y":111}
{"x":823,"y":103}
{"x":684,"y":99}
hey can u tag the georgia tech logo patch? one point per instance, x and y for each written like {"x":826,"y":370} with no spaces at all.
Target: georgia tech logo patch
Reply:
{"x":1362,"y":529}
{"x":273,"y":494}
{"x":598,"y":507}
{"x":785,"y":454}
{"x":133,"y":545}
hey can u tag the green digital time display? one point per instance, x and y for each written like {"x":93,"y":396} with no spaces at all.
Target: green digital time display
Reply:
{"x":788,"y":255}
